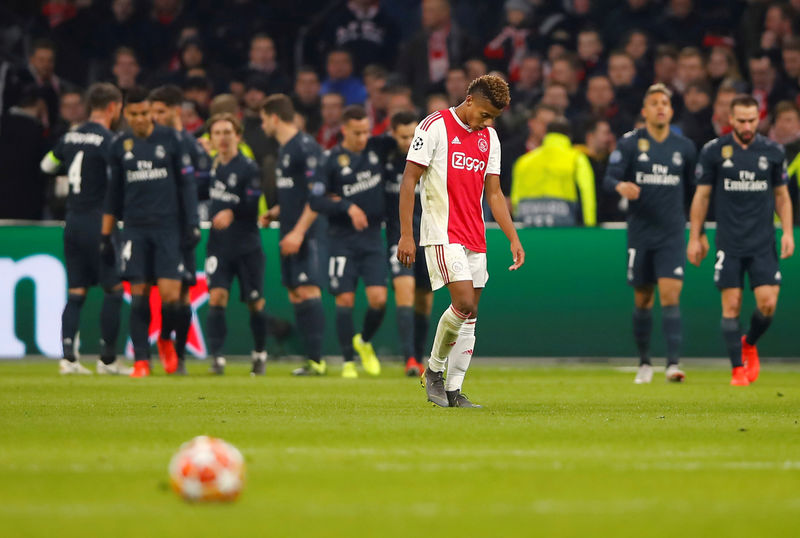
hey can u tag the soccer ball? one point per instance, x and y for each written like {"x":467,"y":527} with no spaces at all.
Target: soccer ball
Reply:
{"x":207,"y":469}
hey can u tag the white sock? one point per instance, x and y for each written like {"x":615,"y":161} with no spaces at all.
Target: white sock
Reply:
{"x":460,"y":356}
{"x":446,"y":334}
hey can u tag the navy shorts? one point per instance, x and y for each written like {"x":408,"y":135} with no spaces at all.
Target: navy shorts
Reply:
{"x":150,"y":253}
{"x":189,"y":267}
{"x":419,"y":271}
{"x":303,"y":268}
{"x":82,"y":254}
{"x":248,"y":268}
{"x":354,"y":257}
{"x":762,"y":270}
{"x":646,"y":265}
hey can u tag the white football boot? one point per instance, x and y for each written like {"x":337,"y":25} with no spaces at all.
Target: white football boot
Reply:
{"x":115,"y":368}
{"x":644,"y":374}
{"x":674,"y":374}
{"x":66,"y":367}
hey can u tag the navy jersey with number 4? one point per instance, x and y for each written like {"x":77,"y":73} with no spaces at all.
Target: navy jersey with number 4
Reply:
{"x":297,"y":162}
{"x":84,"y":153}
{"x":662,"y":170}
{"x":235,"y":186}
{"x":152,"y":181}
{"x":355,"y":178}
{"x":743,"y":182}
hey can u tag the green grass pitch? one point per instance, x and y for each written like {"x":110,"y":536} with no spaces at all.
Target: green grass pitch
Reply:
{"x":558,"y":451}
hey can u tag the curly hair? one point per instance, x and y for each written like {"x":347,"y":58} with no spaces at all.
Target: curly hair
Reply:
{"x":492,"y":88}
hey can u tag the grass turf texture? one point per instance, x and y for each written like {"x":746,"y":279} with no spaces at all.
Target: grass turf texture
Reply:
{"x":566,"y":451}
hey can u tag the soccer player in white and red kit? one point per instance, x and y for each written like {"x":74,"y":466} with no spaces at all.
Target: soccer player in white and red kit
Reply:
{"x":456,"y":156}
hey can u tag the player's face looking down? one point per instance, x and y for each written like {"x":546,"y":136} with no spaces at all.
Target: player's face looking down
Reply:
{"x":657,"y":110}
{"x":479,"y":112}
{"x":224,"y":138}
{"x":355,"y":134}
{"x":744,"y":120}
{"x":162,"y":114}
{"x":403,"y":135}
{"x":268,"y":123}
{"x":138,"y":117}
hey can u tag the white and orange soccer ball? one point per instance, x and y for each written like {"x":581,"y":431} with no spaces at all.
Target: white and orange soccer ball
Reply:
{"x":207,"y":469}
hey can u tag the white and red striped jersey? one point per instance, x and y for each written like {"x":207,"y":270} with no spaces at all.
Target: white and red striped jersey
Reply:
{"x":457,"y":160}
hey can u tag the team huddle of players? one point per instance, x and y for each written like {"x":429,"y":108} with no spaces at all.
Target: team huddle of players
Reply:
{"x":151,"y":177}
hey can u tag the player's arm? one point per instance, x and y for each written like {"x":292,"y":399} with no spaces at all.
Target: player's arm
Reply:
{"x":783,"y":207}
{"x":406,"y":249}
{"x":324,"y":201}
{"x":292,"y":241}
{"x":113,"y":204}
{"x":497,"y":203}
{"x":50,"y":163}
{"x":184,"y":174}
{"x":584,"y":177}
{"x":614,"y":180}
{"x":697,"y":217}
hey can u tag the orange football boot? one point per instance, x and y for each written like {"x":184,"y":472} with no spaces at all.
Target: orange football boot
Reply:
{"x":739,"y":377}
{"x":750,"y":360}
{"x":141,"y":368}
{"x":168,"y":356}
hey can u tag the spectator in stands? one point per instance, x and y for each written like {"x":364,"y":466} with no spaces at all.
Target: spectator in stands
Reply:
{"x":777,"y":27}
{"x":363,"y":28}
{"x":723,"y":67}
{"x":436,"y":101}
{"x":530,"y":139}
{"x":252,"y":133}
{"x":527,"y":90}
{"x":598,"y":144}
{"x":40,"y":72}
{"x":398,"y":98}
{"x":637,"y":45}
{"x":622,"y":74}
{"x":440,"y":43}
{"x":695,"y":118}
{"x":506,"y":51}
{"x":556,"y":96}
{"x":691,"y":68}
{"x":377,"y":99}
{"x":125,"y":69}
{"x":601,"y":105}
{"x":565,"y":71}
{"x":476,"y":68}
{"x":71,"y":112}
{"x":722,"y":109}
{"x":665,"y":66}
{"x":341,"y":80}
{"x":166,"y":18}
{"x":790,"y":55}
{"x":199,"y":90}
{"x":627,"y":16}
{"x":681,"y":25}
{"x":455,"y":85}
{"x":22,"y":186}
{"x":124,"y":28}
{"x":332,"y":109}
{"x":262,"y":60}
{"x":590,"y":50}
{"x":786,"y":131}
{"x":306,"y":98}
{"x":190,"y":117}
{"x":553,"y":185}
{"x":766,"y":86}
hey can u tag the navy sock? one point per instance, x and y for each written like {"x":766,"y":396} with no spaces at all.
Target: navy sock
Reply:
{"x":310,"y":317}
{"x":70,"y":321}
{"x":258,"y":326}
{"x":421,"y":324}
{"x":732,"y":333}
{"x":345,"y":331}
{"x":140,"y":326}
{"x":642,"y":327}
{"x":372,"y":322}
{"x":405,"y":330}
{"x":184,"y":321}
{"x":109,"y":325}
{"x":673,"y":332}
{"x":759,"y":323}
{"x":216,"y":330}
{"x":170,"y":313}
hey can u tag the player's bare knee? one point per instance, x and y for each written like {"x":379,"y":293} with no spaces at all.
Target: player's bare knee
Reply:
{"x":256,"y":306}
{"x":218,"y":297}
{"x":767,"y":306}
{"x":346,"y":300}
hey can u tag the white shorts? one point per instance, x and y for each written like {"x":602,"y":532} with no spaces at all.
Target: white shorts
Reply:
{"x":452,"y":262}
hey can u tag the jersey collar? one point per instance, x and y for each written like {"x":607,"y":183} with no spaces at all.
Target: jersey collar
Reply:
{"x":458,"y":120}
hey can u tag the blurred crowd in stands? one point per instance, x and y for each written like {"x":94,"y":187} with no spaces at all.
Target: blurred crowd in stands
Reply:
{"x":584,"y":61}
